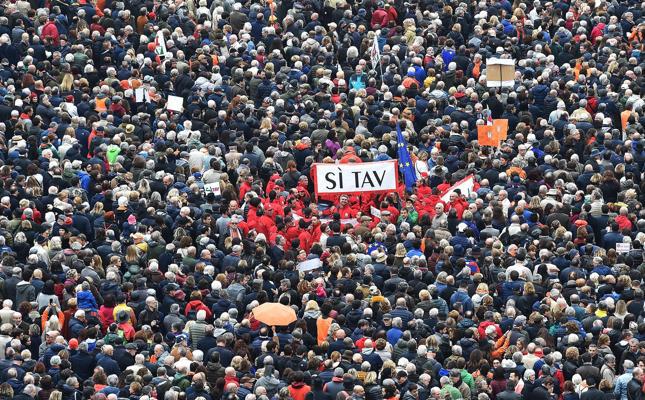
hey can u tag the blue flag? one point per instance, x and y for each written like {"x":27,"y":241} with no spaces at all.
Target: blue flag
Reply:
{"x":405,"y":162}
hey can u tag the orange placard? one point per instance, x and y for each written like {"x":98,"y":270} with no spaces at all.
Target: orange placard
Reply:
{"x":500,"y":128}
{"x":486,"y":136}
{"x":492,"y":135}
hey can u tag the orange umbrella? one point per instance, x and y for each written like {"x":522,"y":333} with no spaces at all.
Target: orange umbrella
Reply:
{"x":274,"y":314}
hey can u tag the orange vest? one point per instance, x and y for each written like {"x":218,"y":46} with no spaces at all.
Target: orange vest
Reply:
{"x":101,"y":105}
{"x":624,"y":117}
{"x":322,"y":327}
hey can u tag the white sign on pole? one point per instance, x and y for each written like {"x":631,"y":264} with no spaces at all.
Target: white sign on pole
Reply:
{"x":375,"y":53}
{"x":500,"y":72}
{"x":160,"y":45}
{"x":356,"y":177}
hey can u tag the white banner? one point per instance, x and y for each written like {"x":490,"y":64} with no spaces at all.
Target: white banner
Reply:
{"x":465,"y":186}
{"x":356,"y":177}
{"x":139,"y":94}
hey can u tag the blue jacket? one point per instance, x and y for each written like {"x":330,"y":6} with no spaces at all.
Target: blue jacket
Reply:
{"x":75,"y":327}
{"x":460,"y":239}
{"x":463,"y":298}
{"x":83,"y":364}
{"x":509,"y":287}
{"x":620,"y":389}
{"x":85,"y":301}
{"x":85,"y":180}
{"x":447,"y":55}
{"x":405,"y":315}
{"x":393,"y":335}
{"x":109,"y":365}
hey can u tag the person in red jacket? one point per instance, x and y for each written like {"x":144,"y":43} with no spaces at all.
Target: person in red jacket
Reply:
{"x":266,"y":223}
{"x":481,"y":329}
{"x":458,"y":203}
{"x":298,"y":388}
{"x":305,"y":235}
{"x":623,"y":220}
{"x":380,"y":18}
{"x":345,"y":210}
{"x":245,"y":187}
{"x":195,"y":304}
{"x":50,"y":31}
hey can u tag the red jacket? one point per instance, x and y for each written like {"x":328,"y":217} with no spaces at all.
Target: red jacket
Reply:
{"x":299,"y":390}
{"x":305,"y":240}
{"x":460,"y":205}
{"x":482,"y":329}
{"x":50,"y":31}
{"x":623,"y":222}
{"x":196,"y":305}
{"x":244,"y":187}
{"x":379,"y":17}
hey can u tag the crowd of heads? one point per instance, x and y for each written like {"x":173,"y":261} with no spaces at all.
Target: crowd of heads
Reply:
{"x":156,"y":187}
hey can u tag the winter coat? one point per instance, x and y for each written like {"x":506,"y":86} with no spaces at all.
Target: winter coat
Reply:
{"x":25,"y":291}
{"x":85,"y":301}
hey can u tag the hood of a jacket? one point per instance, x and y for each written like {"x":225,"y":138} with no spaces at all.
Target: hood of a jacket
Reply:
{"x":23,"y":287}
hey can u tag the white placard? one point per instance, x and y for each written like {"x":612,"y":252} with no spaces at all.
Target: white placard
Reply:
{"x":375,"y":212}
{"x":623,"y":247}
{"x":175,"y":103}
{"x":139,"y":95}
{"x":356,"y":177}
{"x":212,"y":188}
{"x":309,"y":265}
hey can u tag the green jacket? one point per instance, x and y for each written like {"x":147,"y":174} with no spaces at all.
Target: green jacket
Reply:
{"x":454,"y":393}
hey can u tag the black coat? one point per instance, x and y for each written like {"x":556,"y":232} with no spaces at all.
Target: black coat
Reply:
{"x":109,"y":365}
{"x":83,"y":364}
{"x":592,"y":394}
{"x":634,"y":390}
{"x":589,"y":371}
{"x":508,"y":395}
{"x":539,"y":393}
{"x":122,"y":357}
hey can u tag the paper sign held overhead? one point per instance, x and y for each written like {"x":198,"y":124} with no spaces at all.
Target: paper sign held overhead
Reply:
{"x":623,"y":248}
{"x":500,"y":129}
{"x":492,"y":135}
{"x":212,"y":188}
{"x":309,"y":265}
{"x":175,"y":103}
{"x":500,"y":72}
{"x":139,"y":95}
{"x":485,"y":136}
{"x":375,"y":212}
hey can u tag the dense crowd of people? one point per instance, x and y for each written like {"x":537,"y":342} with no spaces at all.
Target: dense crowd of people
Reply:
{"x":137,"y":236}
